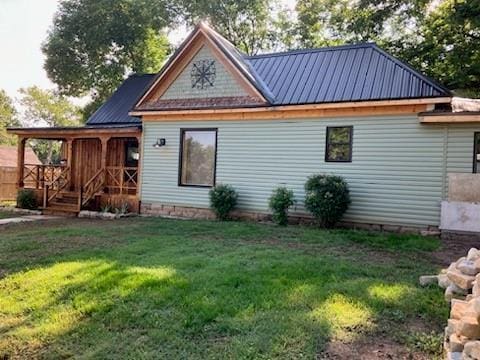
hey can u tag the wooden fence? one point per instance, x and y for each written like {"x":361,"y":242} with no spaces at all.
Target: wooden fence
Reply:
{"x":8,"y":187}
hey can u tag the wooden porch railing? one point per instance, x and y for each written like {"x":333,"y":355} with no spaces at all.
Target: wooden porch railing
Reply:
{"x":60,"y":182}
{"x":121,"y":180}
{"x":37,"y":176}
{"x":92,"y":187}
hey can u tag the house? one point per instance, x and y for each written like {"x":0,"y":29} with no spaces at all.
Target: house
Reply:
{"x":8,"y":169}
{"x":101,"y":158}
{"x":214,"y":115}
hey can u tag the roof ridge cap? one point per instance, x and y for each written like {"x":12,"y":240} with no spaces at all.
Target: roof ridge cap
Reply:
{"x":312,"y":50}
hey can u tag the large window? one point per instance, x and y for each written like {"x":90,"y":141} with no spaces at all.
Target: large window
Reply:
{"x":339,"y":144}
{"x":197,"y":157}
{"x":476,"y":154}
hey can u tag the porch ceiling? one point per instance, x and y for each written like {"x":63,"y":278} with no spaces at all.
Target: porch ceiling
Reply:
{"x":60,"y":133}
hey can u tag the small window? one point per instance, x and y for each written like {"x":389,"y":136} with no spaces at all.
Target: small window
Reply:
{"x":476,"y":153}
{"x":339,"y":144}
{"x":198,"y":148}
{"x":131,"y":154}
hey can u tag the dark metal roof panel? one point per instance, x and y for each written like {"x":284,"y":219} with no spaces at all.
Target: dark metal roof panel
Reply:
{"x":115,"y":109}
{"x":344,"y":73}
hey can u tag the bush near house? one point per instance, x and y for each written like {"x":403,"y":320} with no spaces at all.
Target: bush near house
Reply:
{"x":327,"y":197}
{"x":223,"y":199}
{"x":281,"y":199}
{"x":26,"y":199}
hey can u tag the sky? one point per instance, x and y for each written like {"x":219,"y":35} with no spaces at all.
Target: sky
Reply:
{"x":23,"y":27}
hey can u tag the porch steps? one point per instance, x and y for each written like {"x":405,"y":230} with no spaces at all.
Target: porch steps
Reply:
{"x":65,"y":203}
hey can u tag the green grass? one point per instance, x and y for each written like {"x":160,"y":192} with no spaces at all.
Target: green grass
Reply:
{"x":157,"y":288}
{"x":8,"y":214}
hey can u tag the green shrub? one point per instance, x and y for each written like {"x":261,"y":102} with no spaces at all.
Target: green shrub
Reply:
{"x":223,"y":198}
{"x":279,"y":202}
{"x":327,"y":197}
{"x":26,"y":199}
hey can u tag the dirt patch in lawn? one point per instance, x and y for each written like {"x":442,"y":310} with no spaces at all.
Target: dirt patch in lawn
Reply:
{"x":453,"y":248}
{"x":370,"y":349}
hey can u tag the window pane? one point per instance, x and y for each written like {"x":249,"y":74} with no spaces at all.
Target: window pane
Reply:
{"x":339,"y":152}
{"x":339,"y":135}
{"x":198,"y":158}
{"x":339,"y":144}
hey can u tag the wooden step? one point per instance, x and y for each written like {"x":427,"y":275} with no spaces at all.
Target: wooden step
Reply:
{"x":68,"y":195}
{"x":67,"y":201}
{"x":64,"y":206}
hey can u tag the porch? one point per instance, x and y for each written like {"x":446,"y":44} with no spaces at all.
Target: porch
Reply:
{"x":99,"y":167}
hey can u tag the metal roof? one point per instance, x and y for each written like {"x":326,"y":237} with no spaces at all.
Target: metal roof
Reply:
{"x":115,"y":109}
{"x":338,"y":74}
{"x":361,"y":72}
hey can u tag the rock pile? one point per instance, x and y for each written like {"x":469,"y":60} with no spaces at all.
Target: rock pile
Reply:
{"x":461,"y":281}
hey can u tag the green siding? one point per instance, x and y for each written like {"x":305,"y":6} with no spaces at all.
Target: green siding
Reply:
{"x":224,"y":84}
{"x":396,"y":176}
{"x":460,"y":148}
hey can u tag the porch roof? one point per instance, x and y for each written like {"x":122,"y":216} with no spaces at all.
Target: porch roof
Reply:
{"x":88,"y":131}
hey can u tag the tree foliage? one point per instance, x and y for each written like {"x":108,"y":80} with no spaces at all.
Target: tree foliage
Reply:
{"x":47,"y":108}
{"x":450,"y":46}
{"x":93,"y":44}
{"x":251,"y":25}
{"x":441,"y":39}
{"x":8,"y":118}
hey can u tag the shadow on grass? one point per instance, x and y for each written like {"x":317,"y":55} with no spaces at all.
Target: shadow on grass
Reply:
{"x":165,"y":289}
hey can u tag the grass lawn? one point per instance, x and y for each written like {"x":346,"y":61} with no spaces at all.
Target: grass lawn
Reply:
{"x":157,"y":288}
{"x":8,"y":214}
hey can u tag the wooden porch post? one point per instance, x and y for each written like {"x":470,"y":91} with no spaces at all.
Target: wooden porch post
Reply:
{"x":139,"y":168}
{"x":69,"y":152}
{"x":20,"y":161}
{"x":69,"y":161}
{"x":104,"y":141}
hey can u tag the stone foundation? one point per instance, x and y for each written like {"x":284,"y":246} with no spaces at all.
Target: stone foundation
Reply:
{"x":176,"y":211}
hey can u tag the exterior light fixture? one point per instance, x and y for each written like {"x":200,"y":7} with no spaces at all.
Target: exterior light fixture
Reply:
{"x":160,"y":142}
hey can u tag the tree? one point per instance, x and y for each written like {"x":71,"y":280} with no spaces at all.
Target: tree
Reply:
{"x":8,"y":117}
{"x":93,"y":44}
{"x":323,"y":22}
{"x":249,"y":24}
{"x":442,"y":40}
{"x":450,"y":46}
{"x":47,"y":108}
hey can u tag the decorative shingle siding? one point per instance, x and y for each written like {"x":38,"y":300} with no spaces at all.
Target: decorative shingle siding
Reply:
{"x":224,"y":85}
{"x":396,"y":176}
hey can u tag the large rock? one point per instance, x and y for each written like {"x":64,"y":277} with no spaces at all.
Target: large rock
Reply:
{"x":476,"y":289}
{"x":443,"y":281}
{"x":461,"y":280}
{"x":468,"y":267}
{"x":475,"y":305}
{"x":428,"y":280}
{"x":468,"y":327}
{"x":472,"y":349}
{"x":473,"y":254}
{"x":456,"y":343}
{"x":453,"y":291}
{"x":458,"y":309}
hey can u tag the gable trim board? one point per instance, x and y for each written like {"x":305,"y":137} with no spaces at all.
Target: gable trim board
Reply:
{"x":180,"y":60}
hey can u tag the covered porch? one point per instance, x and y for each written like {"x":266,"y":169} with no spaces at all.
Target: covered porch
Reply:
{"x":99,"y":168}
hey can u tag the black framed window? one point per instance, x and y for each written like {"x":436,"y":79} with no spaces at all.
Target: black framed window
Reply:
{"x":198,"y":153}
{"x":476,"y":153}
{"x":339,"y":144}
